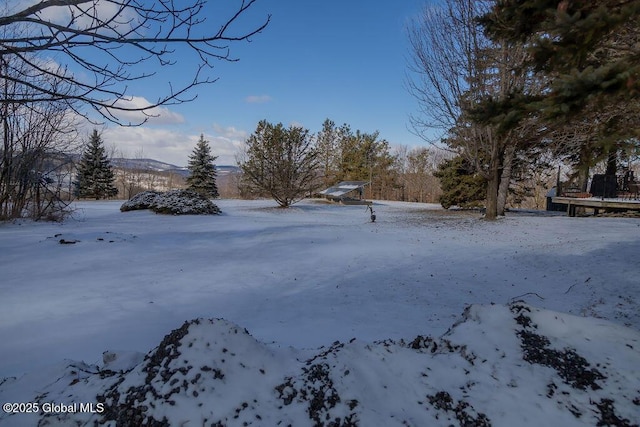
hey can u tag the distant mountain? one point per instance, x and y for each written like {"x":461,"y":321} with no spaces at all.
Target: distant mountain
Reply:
{"x":158,"y":166}
{"x":227,"y":169}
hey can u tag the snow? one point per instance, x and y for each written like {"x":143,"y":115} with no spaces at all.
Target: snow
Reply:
{"x":300,"y":279}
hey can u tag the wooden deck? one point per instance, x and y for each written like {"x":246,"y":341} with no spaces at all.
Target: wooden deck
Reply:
{"x":596,"y":204}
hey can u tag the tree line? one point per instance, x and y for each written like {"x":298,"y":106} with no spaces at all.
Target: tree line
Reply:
{"x":290,"y":163}
{"x":507,"y":84}
{"x":53,"y":74}
{"x":95,"y":177}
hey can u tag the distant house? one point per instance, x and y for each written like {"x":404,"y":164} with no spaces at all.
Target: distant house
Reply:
{"x":347,"y":192}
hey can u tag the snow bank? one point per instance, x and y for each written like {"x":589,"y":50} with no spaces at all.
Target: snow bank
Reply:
{"x":497,"y":366}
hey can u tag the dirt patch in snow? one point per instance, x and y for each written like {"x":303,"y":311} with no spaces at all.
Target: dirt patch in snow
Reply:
{"x":498,"y":365}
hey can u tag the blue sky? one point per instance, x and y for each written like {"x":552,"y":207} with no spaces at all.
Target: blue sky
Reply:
{"x":338,"y":59}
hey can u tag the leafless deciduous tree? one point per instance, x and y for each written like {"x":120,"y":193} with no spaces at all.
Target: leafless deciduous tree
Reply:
{"x":93,"y":51}
{"x":415,"y":170}
{"x":442,"y":62}
{"x":35,"y":165}
{"x":454,"y":67}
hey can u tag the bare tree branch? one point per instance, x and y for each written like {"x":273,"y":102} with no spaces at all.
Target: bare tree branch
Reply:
{"x":133,"y":36}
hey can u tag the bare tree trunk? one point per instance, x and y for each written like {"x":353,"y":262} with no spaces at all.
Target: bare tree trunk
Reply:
{"x":505,"y":178}
{"x":583,"y":168}
{"x":612,"y":161}
{"x":493,"y":181}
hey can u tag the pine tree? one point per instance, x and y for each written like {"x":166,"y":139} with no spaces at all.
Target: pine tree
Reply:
{"x":460,"y":185}
{"x":588,"y":49}
{"x":586,"y":57}
{"x":95,"y":177}
{"x":203,"y":170}
{"x":282,"y":162}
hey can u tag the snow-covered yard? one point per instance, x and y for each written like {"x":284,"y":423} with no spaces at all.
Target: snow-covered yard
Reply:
{"x":301,"y":279}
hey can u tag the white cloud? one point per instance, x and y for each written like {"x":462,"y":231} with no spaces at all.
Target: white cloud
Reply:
{"x":296,"y":124}
{"x":230,"y":132}
{"x":155,"y":115}
{"x":146,"y":142}
{"x":257,"y":99}
{"x":227,"y":142}
{"x":173,"y":146}
{"x":85,"y":15}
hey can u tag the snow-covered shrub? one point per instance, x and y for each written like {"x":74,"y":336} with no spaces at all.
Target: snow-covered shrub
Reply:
{"x":176,"y":202}
{"x":144,"y":200}
{"x":184,"y":202}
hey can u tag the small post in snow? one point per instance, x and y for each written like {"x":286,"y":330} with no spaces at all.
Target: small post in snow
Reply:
{"x":373,"y":214}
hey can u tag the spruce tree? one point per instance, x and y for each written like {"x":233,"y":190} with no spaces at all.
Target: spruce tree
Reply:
{"x":95,"y":177}
{"x":586,"y":57}
{"x":203,"y":170}
{"x":588,"y":51}
{"x":460,"y":185}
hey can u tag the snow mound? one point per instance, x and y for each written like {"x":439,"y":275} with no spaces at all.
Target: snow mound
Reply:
{"x":143,"y":200}
{"x":176,"y":202}
{"x":497,"y":366}
{"x":206,"y":371}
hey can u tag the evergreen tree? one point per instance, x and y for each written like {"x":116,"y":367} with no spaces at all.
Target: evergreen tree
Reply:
{"x":588,"y":50}
{"x":95,"y":176}
{"x":282,"y":162}
{"x":328,"y":152}
{"x":203,"y":170}
{"x":586,"y":57}
{"x":364,"y":157}
{"x":460,"y":185}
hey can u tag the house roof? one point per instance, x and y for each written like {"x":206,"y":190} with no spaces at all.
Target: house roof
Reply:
{"x":343,"y":188}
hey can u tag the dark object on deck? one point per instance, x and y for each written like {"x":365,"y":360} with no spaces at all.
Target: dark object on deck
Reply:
{"x":634,"y":190}
{"x":556,"y":207}
{"x":604,"y":186}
